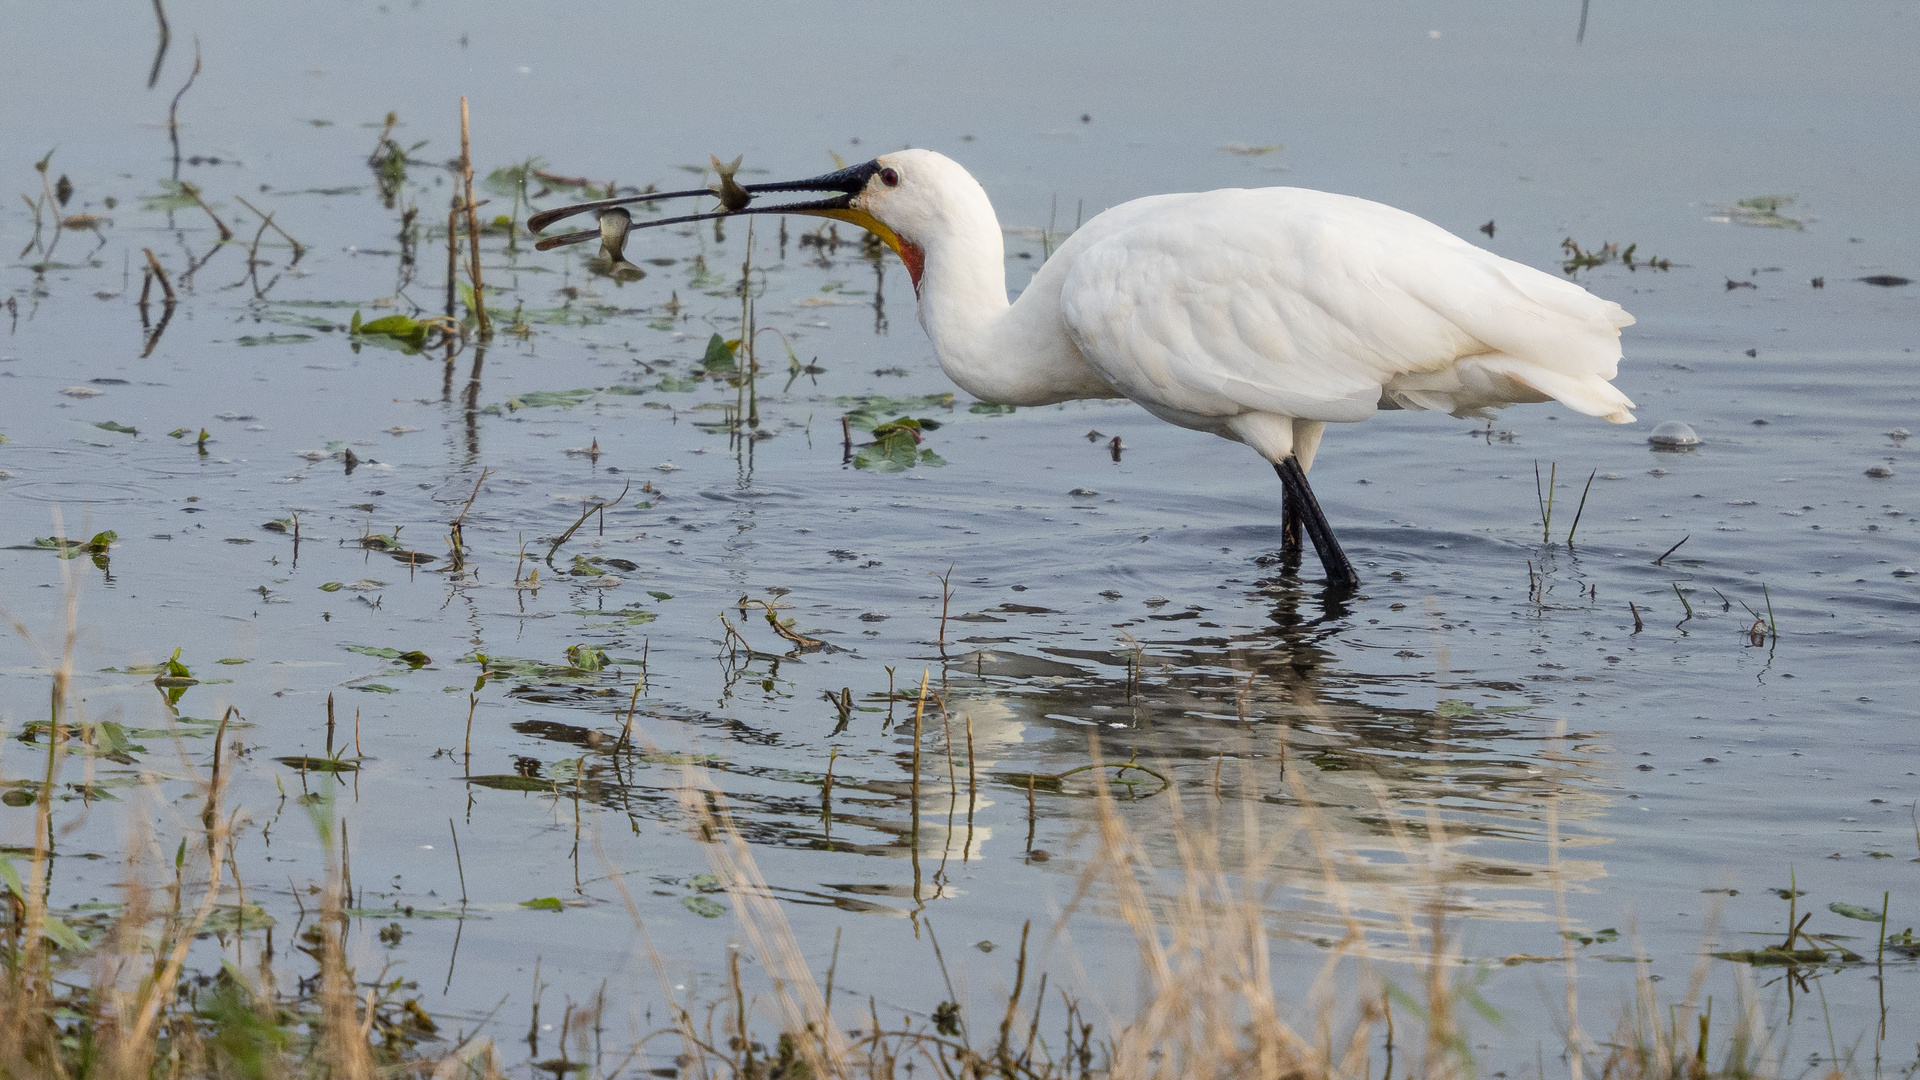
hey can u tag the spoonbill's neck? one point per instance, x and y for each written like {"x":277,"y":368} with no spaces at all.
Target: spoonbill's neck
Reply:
{"x":1007,"y":354}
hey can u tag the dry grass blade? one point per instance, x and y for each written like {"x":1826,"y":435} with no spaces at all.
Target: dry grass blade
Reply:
{"x":802,"y":1006}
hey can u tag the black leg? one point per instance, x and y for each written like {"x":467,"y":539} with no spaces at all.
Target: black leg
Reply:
{"x":1304,"y":508}
{"x":1289,"y":526}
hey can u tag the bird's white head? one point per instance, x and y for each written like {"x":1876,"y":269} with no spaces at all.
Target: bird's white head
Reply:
{"x":916,"y":200}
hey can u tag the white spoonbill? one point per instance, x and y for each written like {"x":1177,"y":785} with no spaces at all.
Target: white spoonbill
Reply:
{"x":1258,"y":314}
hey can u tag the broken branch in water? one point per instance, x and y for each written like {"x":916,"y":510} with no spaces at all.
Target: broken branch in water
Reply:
{"x":800,"y":640}
{"x":154,"y":270}
{"x":1672,"y":549}
{"x":173,"y":110}
{"x":589,"y":512}
{"x":193,"y":192}
{"x":299,"y":249}
{"x":166,"y":38}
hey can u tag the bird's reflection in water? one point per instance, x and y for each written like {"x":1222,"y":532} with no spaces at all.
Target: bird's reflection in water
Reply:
{"x":1276,"y":747}
{"x":1409,"y":791}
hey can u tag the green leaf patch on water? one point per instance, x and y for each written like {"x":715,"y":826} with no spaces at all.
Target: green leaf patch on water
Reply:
{"x":544,"y":903}
{"x":514,"y":782}
{"x":171,"y":197}
{"x":896,"y":448}
{"x":407,"y":332}
{"x":408,"y":913}
{"x":1763,"y":212}
{"x":543,"y":399}
{"x":1776,"y":957}
{"x":318,"y":764}
{"x":272,"y":339}
{"x":719,"y":355}
{"x":411,"y":657}
{"x":869,"y":411}
{"x":248,"y":916}
{"x":705,"y":907}
{"x":631,"y":615}
{"x":587,"y":657}
{"x":73,"y":549}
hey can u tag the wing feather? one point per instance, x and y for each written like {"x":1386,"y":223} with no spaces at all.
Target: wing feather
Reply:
{"x":1322,"y":306}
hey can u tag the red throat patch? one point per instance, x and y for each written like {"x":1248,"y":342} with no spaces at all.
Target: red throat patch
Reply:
{"x":916,"y":260}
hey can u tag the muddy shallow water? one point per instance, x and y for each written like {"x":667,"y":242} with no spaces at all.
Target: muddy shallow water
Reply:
{"x":1480,"y":674}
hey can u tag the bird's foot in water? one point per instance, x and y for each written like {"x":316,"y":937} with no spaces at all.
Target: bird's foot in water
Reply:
{"x":1303,"y":508}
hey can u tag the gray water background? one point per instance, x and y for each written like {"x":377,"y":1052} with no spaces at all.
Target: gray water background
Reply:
{"x":1441,"y":676}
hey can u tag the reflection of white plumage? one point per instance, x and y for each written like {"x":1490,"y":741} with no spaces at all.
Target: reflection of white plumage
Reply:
{"x":1259,"y":315}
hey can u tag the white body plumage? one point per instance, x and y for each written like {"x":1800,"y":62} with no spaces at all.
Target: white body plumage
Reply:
{"x":1256,"y":314}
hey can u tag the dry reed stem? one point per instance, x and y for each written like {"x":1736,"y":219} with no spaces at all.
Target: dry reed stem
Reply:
{"x":473,"y":228}
{"x":803,"y":1009}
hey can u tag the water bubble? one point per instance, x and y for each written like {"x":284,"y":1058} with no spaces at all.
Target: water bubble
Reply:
{"x":1673,"y":435}
{"x":1880,"y":472}
{"x":1905,"y":571}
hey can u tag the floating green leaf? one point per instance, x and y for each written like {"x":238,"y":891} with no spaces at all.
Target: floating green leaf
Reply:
{"x":1854,"y":911}
{"x":239,"y":917}
{"x":513,"y":782}
{"x":318,"y":764}
{"x":540,"y":399}
{"x":73,"y":549}
{"x":896,"y":447}
{"x":411,"y":657}
{"x":587,"y":657}
{"x":631,"y":615}
{"x":513,"y":179}
{"x":719,"y":355}
{"x":109,"y":425}
{"x":374,"y":650}
{"x":544,"y":903}
{"x":704,"y":907}
{"x":175,"y":673}
{"x":869,"y":411}
{"x":172,"y":197}
{"x":409,"y":333}
{"x":1775,"y":957}
{"x":407,"y":913}
{"x":1763,"y":211}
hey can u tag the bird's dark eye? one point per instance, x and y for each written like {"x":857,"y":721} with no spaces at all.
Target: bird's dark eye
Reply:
{"x":889,"y":177}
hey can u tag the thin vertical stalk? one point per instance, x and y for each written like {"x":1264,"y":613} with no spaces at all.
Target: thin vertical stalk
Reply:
{"x":473,"y":228}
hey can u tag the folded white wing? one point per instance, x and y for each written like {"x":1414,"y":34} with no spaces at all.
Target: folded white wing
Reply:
{"x":1324,"y":307}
